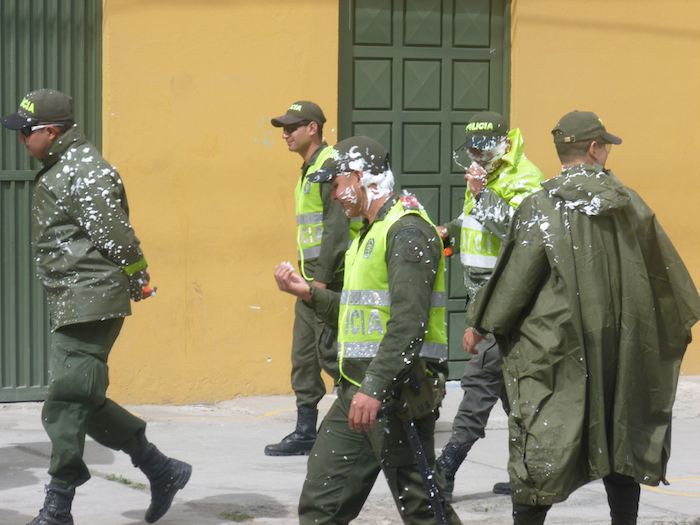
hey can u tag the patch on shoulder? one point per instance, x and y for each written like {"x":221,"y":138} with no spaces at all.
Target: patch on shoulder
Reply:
{"x":411,"y":244}
{"x":410,"y":202}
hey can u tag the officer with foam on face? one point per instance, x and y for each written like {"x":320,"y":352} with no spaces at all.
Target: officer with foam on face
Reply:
{"x":498,"y":176}
{"x":391,"y":320}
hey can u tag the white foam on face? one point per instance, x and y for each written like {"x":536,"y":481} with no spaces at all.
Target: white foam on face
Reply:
{"x":348,"y":196}
{"x":376,"y":185}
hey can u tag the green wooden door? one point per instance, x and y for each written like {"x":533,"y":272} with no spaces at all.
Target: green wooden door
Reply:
{"x":412,"y":72}
{"x":43,"y":43}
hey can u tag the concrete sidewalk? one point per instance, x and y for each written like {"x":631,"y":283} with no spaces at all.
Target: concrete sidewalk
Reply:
{"x":234,"y":482}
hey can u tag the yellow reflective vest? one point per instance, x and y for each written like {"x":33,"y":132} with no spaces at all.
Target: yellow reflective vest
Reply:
{"x":514,"y":180}
{"x":365,"y":302}
{"x":309,"y":214}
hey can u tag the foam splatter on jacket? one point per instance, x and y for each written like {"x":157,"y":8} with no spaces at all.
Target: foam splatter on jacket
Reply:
{"x":81,"y":235}
{"x":593,"y":308}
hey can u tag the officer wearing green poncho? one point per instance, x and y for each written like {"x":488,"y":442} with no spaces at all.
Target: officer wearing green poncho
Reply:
{"x":391,"y":342}
{"x":592,"y":308}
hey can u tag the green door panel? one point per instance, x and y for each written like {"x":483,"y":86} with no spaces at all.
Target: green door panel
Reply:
{"x":412,"y":73}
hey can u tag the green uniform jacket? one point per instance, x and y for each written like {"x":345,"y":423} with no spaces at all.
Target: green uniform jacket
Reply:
{"x":81,"y":233}
{"x":327,"y":267}
{"x":412,"y":255}
{"x":593,"y":308}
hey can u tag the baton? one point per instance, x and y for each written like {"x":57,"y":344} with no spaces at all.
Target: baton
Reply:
{"x":426,"y":473}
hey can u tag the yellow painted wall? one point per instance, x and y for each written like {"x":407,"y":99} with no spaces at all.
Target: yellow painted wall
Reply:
{"x":637,"y":64}
{"x":189,"y":88}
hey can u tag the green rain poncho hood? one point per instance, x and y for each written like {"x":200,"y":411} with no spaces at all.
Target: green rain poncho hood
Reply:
{"x":593,"y":309}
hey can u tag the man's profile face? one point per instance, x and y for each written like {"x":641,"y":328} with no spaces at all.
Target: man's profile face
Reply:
{"x":39,"y":141}
{"x":349,"y":193}
{"x":298,"y":136}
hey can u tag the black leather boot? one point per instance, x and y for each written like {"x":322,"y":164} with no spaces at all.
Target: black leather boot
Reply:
{"x":299,"y":442}
{"x":449,"y":461}
{"x":167,"y":476}
{"x":57,"y":504}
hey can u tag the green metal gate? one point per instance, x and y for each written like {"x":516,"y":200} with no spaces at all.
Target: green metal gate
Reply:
{"x":412,"y":72}
{"x":43,"y":43}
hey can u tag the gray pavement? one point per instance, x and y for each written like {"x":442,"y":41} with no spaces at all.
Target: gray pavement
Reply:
{"x":234,"y":482}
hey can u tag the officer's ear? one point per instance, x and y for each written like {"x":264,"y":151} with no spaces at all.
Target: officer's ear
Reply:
{"x":54,"y":132}
{"x":313,"y":128}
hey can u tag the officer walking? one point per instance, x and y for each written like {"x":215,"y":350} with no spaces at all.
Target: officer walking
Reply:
{"x":392,"y":343}
{"x":322,"y":236}
{"x":498,"y":177}
{"x":90,"y":262}
{"x":594,"y":308}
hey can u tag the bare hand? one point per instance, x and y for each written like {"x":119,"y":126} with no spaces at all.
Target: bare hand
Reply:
{"x":475,"y":176}
{"x":291,"y":282}
{"x":470,"y":340}
{"x":319,"y":284}
{"x":363,"y":412}
{"x":442,"y":231}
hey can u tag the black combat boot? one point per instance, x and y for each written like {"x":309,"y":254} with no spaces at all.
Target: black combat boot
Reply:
{"x":299,"y":442}
{"x":56,"y":509}
{"x":449,"y":461}
{"x":166,"y":475}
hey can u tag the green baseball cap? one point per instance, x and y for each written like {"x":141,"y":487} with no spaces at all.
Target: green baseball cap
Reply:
{"x":300,"y":111}
{"x":577,"y":126}
{"x":354,"y":153}
{"x":483,"y":127}
{"x":40,"y":106}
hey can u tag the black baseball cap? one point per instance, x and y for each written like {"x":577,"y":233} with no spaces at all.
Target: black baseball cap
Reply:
{"x":300,"y":111}
{"x":354,"y":153}
{"x":577,"y":126}
{"x":40,"y":106}
{"x":483,"y":127}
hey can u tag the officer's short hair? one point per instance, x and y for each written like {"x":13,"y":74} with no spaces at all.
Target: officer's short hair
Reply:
{"x":572,"y":151}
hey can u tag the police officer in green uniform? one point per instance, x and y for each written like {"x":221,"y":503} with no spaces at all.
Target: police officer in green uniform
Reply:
{"x":322,"y":236}
{"x":499,"y":176}
{"x":392,"y":338}
{"x":90,"y":262}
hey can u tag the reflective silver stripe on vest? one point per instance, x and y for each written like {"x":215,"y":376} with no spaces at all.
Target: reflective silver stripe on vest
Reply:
{"x":309,"y":218}
{"x":436,"y":351}
{"x":473,"y":260}
{"x":365,"y":297}
{"x":382,"y":298}
{"x":366,"y":350}
{"x":312,"y":253}
{"x":438,"y":299}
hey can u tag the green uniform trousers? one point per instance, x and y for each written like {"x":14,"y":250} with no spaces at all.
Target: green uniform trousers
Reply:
{"x":483,"y":386}
{"x":344,"y":464}
{"x":77,"y":404}
{"x":314,"y":348}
